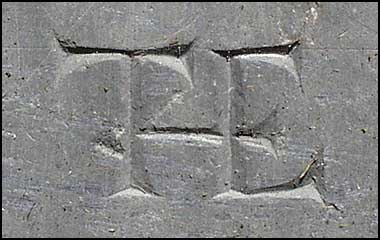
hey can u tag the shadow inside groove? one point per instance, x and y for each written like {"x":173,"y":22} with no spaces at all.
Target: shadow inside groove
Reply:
{"x":176,"y":50}
{"x":280,"y":49}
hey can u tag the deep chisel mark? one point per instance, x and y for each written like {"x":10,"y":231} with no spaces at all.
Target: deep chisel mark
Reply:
{"x":293,"y":184}
{"x":177,"y":130}
{"x":145,"y":188}
{"x":30,"y":211}
{"x":254,"y":132}
{"x":72,"y":47}
{"x":297,"y":182}
{"x":280,"y":49}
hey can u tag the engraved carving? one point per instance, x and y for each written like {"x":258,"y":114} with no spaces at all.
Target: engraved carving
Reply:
{"x":195,"y":125}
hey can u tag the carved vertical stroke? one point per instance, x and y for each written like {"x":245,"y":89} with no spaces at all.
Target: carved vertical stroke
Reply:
{"x":177,"y":50}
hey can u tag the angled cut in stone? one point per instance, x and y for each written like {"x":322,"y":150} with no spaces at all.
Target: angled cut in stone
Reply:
{"x":179,"y":166}
{"x":93,"y":101}
{"x":265,"y":85}
{"x":180,"y":93}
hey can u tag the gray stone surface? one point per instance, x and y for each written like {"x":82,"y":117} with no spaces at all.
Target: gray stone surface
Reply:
{"x":128,"y":120}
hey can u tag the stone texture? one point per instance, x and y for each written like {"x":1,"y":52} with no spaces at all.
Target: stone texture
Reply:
{"x":186,"y":92}
{"x":102,"y":143}
{"x":166,"y":162}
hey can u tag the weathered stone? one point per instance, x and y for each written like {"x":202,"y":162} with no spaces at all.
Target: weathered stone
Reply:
{"x":136,"y":120}
{"x":266,"y":89}
{"x":93,"y":100}
{"x":186,"y":92}
{"x":165,"y":164}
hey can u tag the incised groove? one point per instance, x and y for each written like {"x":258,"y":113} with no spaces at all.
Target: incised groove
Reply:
{"x":279,"y":49}
{"x":310,"y":173}
{"x":176,"y":49}
{"x":185,"y":130}
{"x":72,"y":47}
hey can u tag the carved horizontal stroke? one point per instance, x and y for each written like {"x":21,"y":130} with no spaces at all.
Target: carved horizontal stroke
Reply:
{"x":171,"y":50}
{"x":179,"y":107}
{"x":280,"y":49}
